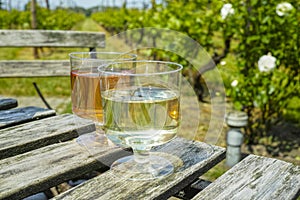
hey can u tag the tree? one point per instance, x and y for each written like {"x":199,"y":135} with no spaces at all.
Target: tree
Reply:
{"x":34,"y":24}
{"x":47,"y":4}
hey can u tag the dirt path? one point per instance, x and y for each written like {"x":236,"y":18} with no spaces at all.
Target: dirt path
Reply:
{"x":89,"y":25}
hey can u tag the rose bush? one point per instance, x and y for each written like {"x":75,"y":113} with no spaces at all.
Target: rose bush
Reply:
{"x":268,"y":62}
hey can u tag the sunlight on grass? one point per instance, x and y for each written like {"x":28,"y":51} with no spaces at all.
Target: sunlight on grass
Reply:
{"x":215,"y":172}
{"x":8,"y":53}
{"x":52,"y":86}
{"x":88,"y":25}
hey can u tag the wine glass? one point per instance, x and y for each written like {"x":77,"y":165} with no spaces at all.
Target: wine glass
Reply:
{"x":86,"y":97}
{"x":141,"y":110}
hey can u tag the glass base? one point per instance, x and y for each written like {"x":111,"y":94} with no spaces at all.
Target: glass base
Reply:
{"x":154,"y":167}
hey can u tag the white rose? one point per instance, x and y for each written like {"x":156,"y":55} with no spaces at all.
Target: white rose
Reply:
{"x":223,"y":62}
{"x":266,"y":63}
{"x":234,"y":83}
{"x":226,"y":10}
{"x":283,"y":8}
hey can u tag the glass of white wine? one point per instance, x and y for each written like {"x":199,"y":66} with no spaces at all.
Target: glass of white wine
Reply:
{"x":141,"y":110}
{"x":85,"y":91}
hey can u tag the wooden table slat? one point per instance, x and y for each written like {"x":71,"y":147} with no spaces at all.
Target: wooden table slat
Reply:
{"x":256,"y":178}
{"x":40,"y":169}
{"x":8,"y":103}
{"x":185,"y":154}
{"x":17,"y":116}
{"x":36,"y":134}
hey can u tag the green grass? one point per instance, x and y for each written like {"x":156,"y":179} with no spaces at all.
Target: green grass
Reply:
{"x":8,"y":53}
{"x":292,"y":112}
{"x":58,"y":86}
{"x":215,"y":172}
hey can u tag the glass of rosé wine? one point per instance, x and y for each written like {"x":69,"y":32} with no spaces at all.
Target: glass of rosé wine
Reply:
{"x":85,"y":91}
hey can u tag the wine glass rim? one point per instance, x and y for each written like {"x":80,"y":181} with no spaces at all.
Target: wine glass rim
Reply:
{"x":101,"y":68}
{"x":76,"y":55}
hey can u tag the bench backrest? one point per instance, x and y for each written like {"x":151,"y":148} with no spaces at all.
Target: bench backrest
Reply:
{"x":45,"y":38}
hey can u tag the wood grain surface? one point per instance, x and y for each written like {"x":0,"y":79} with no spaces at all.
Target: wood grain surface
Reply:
{"x":41,"y":169}
{"x":189,"y":165}
{"x":256,"y":178}
{"x":51,"y":38}
{"x":21,"y":115}
{"x":37,"y":134}
{"x":37,"y":68}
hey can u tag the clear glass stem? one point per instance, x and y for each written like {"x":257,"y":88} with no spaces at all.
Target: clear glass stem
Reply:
{"x":99,"y":127}
{"x":141,"y":153}
{"x":141,"y":148}
{"x":143,"y":165}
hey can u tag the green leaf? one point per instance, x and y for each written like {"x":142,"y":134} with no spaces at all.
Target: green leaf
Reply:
{"x":253,"y":2}
{"x":252,"y":39}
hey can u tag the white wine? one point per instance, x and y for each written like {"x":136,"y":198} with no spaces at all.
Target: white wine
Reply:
{"x":146,"y":116}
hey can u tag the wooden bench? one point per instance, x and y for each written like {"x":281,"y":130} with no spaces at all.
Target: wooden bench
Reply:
{"x":45,"y":38}
{"x":43,"y":68}
{"x":38,"y":155}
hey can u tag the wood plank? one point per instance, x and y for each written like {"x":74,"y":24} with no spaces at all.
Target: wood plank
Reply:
{"x":17,"y":116}
{"x":51,"y":38}
{"x":37,"y":68}
{"x":186,"y":155}
{"x":33,"y":135}
{"x":8,"y":103}
{"x":43,"y":168}
{"x":256,"y":178}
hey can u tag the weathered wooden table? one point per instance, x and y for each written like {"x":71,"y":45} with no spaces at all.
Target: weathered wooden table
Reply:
{"x":38,"y":154}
